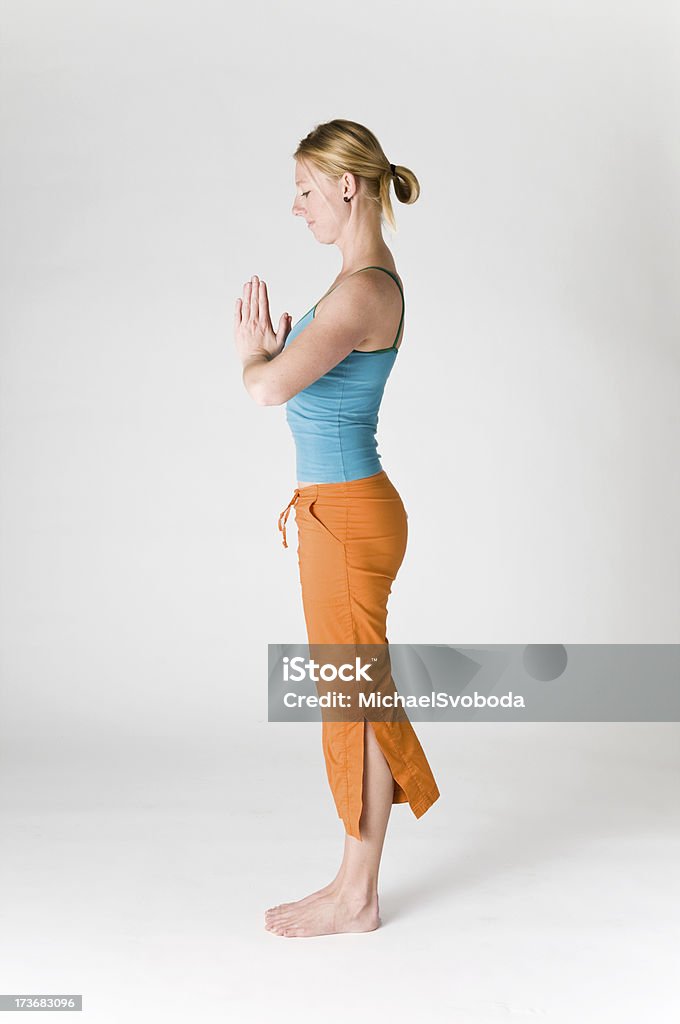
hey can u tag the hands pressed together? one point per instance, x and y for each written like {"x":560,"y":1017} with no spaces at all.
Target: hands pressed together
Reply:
{"x":254,"y":334}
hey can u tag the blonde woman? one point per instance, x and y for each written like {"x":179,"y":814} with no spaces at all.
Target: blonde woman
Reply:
{"x":330,"y":370}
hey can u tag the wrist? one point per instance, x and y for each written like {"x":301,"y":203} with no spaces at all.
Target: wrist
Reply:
{"x":260,"y":355}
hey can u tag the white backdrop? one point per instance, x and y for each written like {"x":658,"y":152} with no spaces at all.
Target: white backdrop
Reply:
{"x":531,"y":423}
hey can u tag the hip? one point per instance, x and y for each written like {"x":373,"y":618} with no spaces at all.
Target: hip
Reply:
{"x":366,"y":510}
{"x":367,"y":514}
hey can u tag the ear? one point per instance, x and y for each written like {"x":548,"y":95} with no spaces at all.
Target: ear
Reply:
{"x":348,"y":184}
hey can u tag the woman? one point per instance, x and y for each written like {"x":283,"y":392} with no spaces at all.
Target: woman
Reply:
{"x":352,"y":525}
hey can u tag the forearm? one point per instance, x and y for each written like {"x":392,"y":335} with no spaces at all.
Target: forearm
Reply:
{"x":256,"y":375}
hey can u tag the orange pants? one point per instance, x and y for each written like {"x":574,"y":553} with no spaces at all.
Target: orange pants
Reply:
{"x":351,"y":542}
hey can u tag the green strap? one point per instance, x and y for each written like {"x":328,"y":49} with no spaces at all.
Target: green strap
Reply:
{"x":403,"y":304}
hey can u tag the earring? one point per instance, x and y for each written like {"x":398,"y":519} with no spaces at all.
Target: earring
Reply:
{"x":347,"y":198}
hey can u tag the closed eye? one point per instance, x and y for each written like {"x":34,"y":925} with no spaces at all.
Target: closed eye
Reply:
{"x":305,"y":194}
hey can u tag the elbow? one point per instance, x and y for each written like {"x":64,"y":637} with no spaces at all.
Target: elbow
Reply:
{"x":264,"y":394}
{"x":262,"y":385}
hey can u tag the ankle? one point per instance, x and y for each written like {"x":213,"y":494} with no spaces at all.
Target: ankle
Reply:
{"x":358,"y":894}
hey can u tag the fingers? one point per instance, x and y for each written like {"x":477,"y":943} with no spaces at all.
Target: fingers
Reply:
{"x":263,"y":302}
{"x":255,"y":300}
{"x":247,"y":300}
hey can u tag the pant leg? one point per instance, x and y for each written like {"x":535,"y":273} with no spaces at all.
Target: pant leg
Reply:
{"x":352,"y":539}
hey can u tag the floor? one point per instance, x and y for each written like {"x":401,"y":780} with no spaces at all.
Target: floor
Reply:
{"x":543,"y":885}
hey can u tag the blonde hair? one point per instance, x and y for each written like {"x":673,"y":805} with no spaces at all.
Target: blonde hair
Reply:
{"x":339,"y":146}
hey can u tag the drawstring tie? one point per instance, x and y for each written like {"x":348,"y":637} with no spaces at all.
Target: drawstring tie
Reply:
{"x":286,"y":512}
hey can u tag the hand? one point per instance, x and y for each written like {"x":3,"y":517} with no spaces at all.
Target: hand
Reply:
{"x":253,"y":331}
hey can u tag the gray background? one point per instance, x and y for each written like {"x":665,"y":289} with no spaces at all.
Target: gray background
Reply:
{"x":531,"y":426}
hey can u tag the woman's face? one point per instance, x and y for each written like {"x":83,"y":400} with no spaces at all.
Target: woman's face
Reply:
{"x":319,"y":201}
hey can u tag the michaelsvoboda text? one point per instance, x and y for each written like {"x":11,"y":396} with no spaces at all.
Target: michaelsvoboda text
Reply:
{"x":435,"y":699}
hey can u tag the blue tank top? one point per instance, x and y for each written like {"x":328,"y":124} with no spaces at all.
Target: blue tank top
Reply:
{"x":335,"y":419}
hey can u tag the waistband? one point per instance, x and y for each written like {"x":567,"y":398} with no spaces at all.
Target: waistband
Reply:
{"x":342,"y":487}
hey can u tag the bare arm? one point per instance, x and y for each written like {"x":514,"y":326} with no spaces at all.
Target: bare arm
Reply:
{"x":339,"y":325}
{"x":254,"y":372}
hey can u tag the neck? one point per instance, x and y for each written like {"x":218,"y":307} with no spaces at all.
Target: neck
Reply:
{"x":362,"y":245}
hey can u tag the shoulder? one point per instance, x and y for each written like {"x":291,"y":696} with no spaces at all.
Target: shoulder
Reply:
{"x":364,"y":291}
{"x":379,"y":282}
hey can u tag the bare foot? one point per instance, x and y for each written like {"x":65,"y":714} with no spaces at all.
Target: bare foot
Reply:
{"x":336,"y":912}
{"x":327,"y":890}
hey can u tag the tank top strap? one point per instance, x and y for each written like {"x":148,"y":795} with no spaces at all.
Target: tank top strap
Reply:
{"x":394,"y":278}
{"x":403,"y":304}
